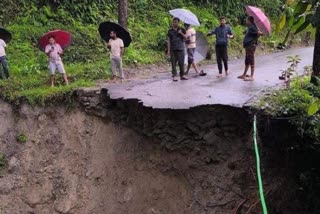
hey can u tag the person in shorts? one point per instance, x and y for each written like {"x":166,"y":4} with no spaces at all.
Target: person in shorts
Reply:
{"x":250,"y":42}
{"x":54,"y":52}
{"x":3,"y":59}
{"x":190,"y":41}
{"x":116,"y":47}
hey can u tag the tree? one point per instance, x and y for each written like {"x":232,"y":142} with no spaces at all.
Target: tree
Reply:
{"x":316,"y":56}
{"x":305,"y":13}
{"x":123,"y":13}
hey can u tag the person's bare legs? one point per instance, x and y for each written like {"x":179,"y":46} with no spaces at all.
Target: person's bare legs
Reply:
{"x":188,"y":69}
{"x":251,"y":78}
{"x":252,"y":71}
{"x":243,"y":76}
{"x":195,"y":67}
{"x":52,"y":80}
{"x":65,"y":78}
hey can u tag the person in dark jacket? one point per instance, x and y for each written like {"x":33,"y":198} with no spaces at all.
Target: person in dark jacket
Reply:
{"x":175,"y":48}
{"x":223,"y":34}
{"x":250,"y":42}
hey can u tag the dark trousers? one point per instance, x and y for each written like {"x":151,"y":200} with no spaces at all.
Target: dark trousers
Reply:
{"x":222,"y":56}
{"x":177,"y":57}
{"x":3,"y":61}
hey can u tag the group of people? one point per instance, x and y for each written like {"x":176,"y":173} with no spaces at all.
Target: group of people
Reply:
{"x":179,"y":37}
{"x":54,"y":51}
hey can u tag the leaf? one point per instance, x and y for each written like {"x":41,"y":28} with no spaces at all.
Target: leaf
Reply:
{"x":290,"y":2}
{"x":313,"y":108}
{"x":281,"y":23}
{"x":302,"y":27}
{"x":290,"y":22}
{"x":298,"y":23}
{"x":301,"y":8}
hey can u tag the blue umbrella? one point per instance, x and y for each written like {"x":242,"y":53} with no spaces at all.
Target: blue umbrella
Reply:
{"x":186,"y":16}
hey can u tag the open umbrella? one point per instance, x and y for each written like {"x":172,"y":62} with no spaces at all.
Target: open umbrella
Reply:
{"x":201,"y":49}
{"x":186,"y":16}
{"x":106,"y":27}
{"x":63,"y":38}
{"x":5,"y":35}
{"x":261,"y":20}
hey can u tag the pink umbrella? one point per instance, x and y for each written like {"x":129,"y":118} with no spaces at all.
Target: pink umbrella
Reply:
{"x":261,"y":20}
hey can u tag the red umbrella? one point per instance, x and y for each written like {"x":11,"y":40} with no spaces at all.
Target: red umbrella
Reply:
{"x":260,"y":19}
{"x":63,"y":38}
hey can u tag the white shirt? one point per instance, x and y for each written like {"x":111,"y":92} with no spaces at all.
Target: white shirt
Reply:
{"x":116,"y":45}
{"x":54,"y":55}
{"x":191,"y":35}
{"x":3,"y":45}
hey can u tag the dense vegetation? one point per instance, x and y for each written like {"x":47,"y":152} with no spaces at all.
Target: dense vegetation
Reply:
{"x":87,"y":59}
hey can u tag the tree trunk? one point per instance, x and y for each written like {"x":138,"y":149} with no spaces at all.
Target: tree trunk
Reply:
{"x":316,"y":56}
{"x":123,"y":13}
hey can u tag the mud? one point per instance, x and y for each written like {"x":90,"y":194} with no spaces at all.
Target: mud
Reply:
{"x":106,"y":156}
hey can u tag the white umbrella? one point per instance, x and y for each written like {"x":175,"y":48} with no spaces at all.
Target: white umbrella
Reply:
{"x":186,"y":16}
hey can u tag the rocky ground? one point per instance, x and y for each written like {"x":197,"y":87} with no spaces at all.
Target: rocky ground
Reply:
{"x":72,"y":162}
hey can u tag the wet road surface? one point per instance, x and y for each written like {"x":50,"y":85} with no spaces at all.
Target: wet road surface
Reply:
{"x":162,"y":93}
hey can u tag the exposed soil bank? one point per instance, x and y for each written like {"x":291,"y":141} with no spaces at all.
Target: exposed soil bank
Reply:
{"x":118,"y":157}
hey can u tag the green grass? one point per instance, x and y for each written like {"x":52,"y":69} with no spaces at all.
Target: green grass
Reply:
{"x":3,"y":161}
{"x":294,"y":104}
{"x":22,"y":138}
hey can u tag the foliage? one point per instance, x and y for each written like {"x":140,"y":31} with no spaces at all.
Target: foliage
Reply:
{"x":293,"y":62}
{"x":22,"y":138}
{"x":3,"y":161}
{"x":300,"y":104}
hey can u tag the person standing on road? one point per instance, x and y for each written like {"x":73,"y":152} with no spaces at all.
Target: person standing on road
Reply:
{"x":3,"y":59}
{"x":190,"y":40}
{"x":116,"y":47}
{"x":250,"y":42}
{"x":175,"y":48}
{"x":223,"y":34}
{"x":54,"y":52}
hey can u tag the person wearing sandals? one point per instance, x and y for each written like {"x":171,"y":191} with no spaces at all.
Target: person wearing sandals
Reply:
{"x":223,"y":34}
{"x":175,"y":48}
{"x":190,"y":40}
{"x":250,"y":42}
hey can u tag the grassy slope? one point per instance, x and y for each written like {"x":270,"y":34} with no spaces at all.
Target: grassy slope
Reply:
{"x":87,"y":59}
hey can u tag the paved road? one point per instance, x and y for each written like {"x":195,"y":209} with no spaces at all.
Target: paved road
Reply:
{"x":163,"y":93}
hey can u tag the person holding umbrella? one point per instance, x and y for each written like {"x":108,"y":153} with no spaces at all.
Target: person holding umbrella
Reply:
{"x":223,"y":34}
{"x":116,"y":47}
{"x":54,"y":52}
{"x":257,"y":24}
{"x":175,"y":48}
{"x":250,"y":42}
{"x":190,"y":40}
{"x":117,"y":39}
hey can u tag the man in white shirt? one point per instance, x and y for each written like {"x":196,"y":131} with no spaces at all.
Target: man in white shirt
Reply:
{"x":54,"y":52}
{"x":3,"y":59}
{"x":190,"y":40}
{"x":116,"y":47}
